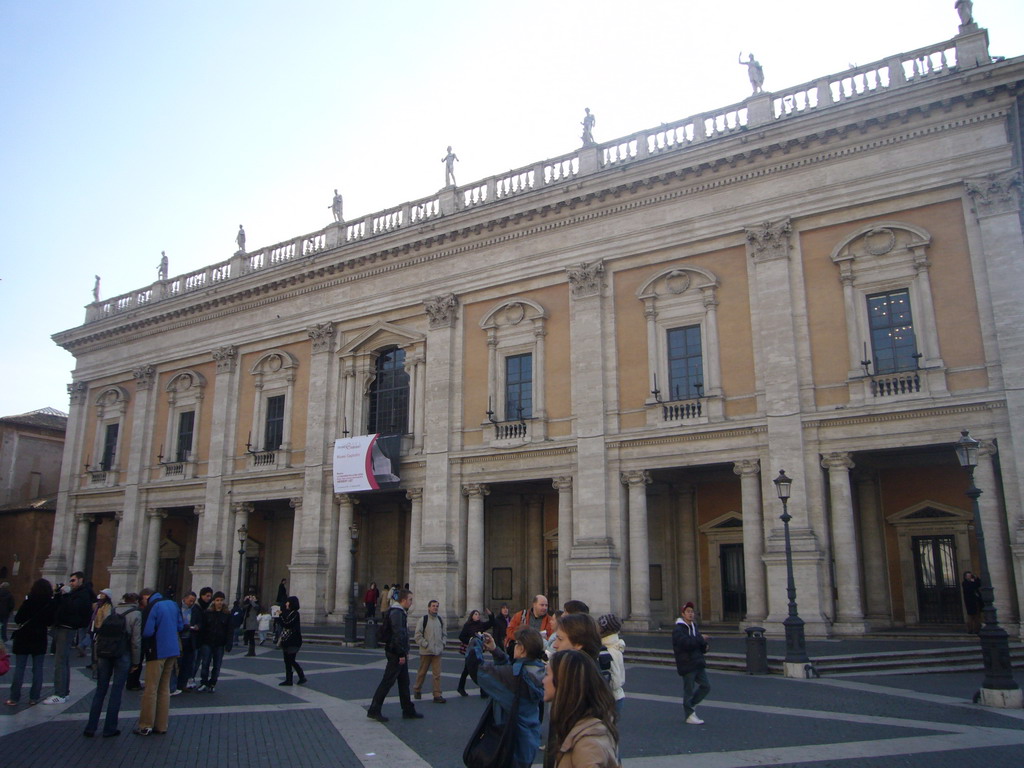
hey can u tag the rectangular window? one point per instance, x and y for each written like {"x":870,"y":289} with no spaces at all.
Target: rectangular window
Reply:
{"x":273,"y":433}
{"x":519,"y":387}
{"x":186,"y":426}
{"x":893,"y":343}
{"x":685,"y":363}
{"x":109,"y":447}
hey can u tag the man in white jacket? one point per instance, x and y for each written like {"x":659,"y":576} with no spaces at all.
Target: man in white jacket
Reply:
{"x":430,"y":638}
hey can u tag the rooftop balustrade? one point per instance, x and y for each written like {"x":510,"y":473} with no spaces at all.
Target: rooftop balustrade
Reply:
{"x":760,"y":109}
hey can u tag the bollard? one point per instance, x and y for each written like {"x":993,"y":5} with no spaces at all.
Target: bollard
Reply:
{"x":757,"y":651}
{"x":371,"y":634}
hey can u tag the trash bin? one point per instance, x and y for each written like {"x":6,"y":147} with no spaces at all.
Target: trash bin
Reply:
{"x":757,"y":651}
{"x":371,"y":634}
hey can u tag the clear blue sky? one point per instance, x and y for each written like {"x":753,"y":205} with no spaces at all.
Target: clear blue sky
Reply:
{"x":131,"y":128}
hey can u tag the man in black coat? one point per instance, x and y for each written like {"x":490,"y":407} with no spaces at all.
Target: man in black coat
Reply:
{"x":72,"y":611}
{"x":396,"y":648}
{"x":689,"y":647}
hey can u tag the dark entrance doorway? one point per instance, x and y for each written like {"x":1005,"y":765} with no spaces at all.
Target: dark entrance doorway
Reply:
{"x":938,"y":587}
{"x":734,"y":594}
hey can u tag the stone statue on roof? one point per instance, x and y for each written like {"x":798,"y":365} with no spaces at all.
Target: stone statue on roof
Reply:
{"x":96,"y":289}
{"x":161,"y":269}
{"x":588,"y":128}
{"x":240,"y":239}
{"x":754,"y":71}
{"x":965,"y":10}
{"x":335,"y":207}
{"x":449,"y":167}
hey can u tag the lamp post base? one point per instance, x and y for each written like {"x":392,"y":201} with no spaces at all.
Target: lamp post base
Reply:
{"x":1001,"y":698}
{"x":796,"y":669}
{"x":350,"y":628}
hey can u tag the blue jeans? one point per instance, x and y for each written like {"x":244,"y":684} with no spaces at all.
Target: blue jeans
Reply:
{"x":186,"y":665}
{"x":105,"y":670}
{"x":691,"y":699}
{"x":207,"y":654}
{"x":20,"y":662}
{"x":62,"y":640}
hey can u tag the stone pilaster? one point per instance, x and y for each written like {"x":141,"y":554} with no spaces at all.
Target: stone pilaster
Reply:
{"x":876,"y":578}
{"x":343,"y":544}
{"x":154,"y":522}
{"x":55,"y":567}
{"x":415,"y":497}
{"x":565,"y":538}
{"x":82,"y":542}
{"x":475,"y":492}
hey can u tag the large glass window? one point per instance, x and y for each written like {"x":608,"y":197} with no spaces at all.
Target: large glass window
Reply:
{"x":893,"y":342}
{"x":685,"y":363}
{"x":109,"y":447}
{"x":273,"y":433}
{"x":186,"y":427}
{"x":519,"y":387}
{"x":389,"y":394}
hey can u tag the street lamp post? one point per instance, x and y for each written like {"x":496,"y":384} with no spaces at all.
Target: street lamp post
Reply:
{"x":243,"y":534}
{"x":796,"y":663}
{"x":350,"y":617}
{"x":998,"y":688}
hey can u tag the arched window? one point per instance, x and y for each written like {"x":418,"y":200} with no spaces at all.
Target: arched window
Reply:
{"x":389,"y":394}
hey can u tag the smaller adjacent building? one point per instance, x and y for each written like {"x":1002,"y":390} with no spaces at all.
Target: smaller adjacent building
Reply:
{"x":31,"y":448}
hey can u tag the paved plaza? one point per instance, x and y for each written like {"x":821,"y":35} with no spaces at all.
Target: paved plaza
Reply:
{"x":921,"y":719}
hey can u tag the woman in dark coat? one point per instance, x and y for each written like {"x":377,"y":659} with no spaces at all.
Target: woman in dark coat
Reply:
{"x":972,"y":601}
{"x":474,"y":625}
{"x":291,"y":634}
{"x":30,"y":640}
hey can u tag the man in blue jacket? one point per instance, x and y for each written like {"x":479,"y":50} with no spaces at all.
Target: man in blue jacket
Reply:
{"x":689,"y":647}
{"x":160,"y":638}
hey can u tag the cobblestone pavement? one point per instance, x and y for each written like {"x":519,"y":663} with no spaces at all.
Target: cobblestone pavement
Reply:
{"x":916,"y":720}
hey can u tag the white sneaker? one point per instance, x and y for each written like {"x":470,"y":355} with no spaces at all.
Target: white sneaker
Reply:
{"x":694,"y":720}
{"x":55,"y":700}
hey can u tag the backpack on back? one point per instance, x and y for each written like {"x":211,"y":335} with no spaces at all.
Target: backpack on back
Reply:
{"x":112,"y":641}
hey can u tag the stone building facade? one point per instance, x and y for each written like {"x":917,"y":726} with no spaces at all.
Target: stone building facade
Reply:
{"x":598,"y":363}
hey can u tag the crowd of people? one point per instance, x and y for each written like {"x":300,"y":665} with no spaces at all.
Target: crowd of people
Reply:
{"x":176,"y":646}
{"x":565,"y":666}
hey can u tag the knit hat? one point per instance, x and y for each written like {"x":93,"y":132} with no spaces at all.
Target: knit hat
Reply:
{"x":109,"y":593}
{"x":609,"y":624}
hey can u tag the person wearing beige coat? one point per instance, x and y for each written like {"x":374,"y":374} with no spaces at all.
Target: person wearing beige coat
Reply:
{"x":588,"y":745}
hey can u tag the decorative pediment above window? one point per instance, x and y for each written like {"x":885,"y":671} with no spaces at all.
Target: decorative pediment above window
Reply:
{"x":724,"y":525}
{"x":380,"y":335}
{"x":929,"y":513}
{"x":187,"y":381}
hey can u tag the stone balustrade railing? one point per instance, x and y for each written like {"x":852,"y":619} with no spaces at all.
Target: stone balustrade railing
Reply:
{"x":855,"y":83}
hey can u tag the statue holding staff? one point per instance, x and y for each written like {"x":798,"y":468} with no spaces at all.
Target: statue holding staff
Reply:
{"x":754,"y":72}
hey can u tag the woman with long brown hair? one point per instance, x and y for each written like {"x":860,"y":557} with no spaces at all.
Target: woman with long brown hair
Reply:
{"x":583,"y":733}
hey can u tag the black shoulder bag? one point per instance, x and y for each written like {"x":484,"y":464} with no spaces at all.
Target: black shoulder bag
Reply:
{"x":492,"y":745}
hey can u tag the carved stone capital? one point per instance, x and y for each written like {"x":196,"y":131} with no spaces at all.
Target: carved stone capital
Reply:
{"x":226,"y":357}
{"x":118,"y":516}
{"x":747,"y":467}
{"x":586,"y":279}
{"x":562,"y":483}
{"x":987,"y":448}
{"x":635,"y":477}
{"x":441,"y":310}
{"x":89,"y":519}
{"x":414,"y":495}
{"x":243,"y":508}
{"x":837,"y":460}
{"x":345,"y":498}
{"x":472,"y":490}
{"x":77,"y":391}
{"x":322,"y":335}
{"x":144,"y":376}
{"x":995,"y":193}
{"x":768,"y":241}
{"x":199,"y":510}
{"x":295,"y":503}
{"x":155,"y":513}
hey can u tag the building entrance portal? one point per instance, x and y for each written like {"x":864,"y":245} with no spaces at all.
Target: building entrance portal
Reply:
{"x":734,"y":595}
{"x":938,"y":584}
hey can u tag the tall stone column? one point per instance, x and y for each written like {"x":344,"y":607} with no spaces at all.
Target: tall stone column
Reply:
{"x":56,"y":564}
{"x":308,"y":567}
{"x":595,"y":565}
{"x":441,"y":533}
{"x":415,"y":497}
{"x":876,"y":569}
{"x":534,"y":544}
{"x":343,"y":585}
{"x":155,"y":518}
{"x":996,"y":546}
{"x":999,"y":273}
{"x":783,"y":362}
{"x":565,"y":527}
{"x":475,"y":493}
{"x":82,"y":542}
{"x":753,"y":541}
{"x":212,"y":565}
{"x":850,"y":599}
{"x":639,"y":552}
